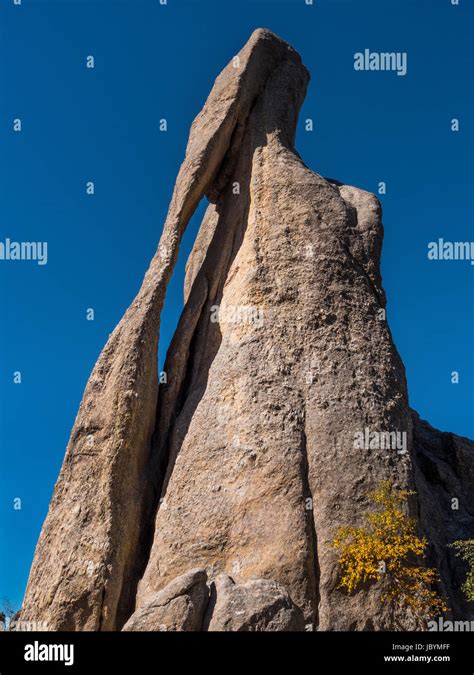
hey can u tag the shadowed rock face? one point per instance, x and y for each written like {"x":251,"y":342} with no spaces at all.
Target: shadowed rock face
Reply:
{"x":239,"y":469}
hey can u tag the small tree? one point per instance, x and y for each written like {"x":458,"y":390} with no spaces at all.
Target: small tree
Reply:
{"x":465,"y":550}
{"x":386,"y":547}
{"x":7,"y":612}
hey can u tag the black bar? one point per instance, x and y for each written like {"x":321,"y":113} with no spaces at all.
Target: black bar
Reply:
{"x":312,"y":653}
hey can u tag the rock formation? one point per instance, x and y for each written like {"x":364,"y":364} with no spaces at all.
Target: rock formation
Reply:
{"x":208,"y":503}
{"x":181,"y":606}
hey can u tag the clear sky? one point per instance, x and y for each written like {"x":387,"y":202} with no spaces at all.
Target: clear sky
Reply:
{"x":152,"y":61}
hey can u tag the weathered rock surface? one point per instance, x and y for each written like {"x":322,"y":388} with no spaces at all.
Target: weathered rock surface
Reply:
{"x":257,"y":605}
{"x":282,"y":354}
{"x":178,"y":607}
{"x":259,"y":416}
{"x":90,"y":549}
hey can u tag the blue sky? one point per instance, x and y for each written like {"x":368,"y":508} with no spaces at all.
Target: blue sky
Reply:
{"x":102,"y":125}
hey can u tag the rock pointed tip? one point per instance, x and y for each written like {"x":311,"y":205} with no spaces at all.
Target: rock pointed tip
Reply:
{"x":274,"y":42}
{"x":266,"y":34}
{"x":260,"y":33}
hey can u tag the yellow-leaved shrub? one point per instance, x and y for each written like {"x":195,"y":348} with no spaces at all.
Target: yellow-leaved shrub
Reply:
{"x":386,"y":547}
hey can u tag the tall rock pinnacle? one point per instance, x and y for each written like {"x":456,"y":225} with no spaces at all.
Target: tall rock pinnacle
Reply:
{"x":209,"y":502}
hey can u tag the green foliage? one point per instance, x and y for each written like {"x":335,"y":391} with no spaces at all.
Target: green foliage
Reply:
{"x":465,"y":550}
